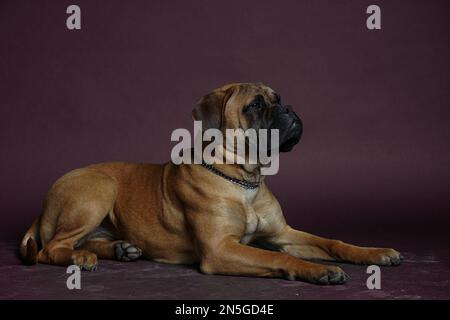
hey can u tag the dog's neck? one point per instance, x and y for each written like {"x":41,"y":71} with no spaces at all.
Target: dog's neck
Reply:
{"x":246,"y":172}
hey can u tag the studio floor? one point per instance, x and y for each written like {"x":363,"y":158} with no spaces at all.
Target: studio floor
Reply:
{"x":424,"y":274}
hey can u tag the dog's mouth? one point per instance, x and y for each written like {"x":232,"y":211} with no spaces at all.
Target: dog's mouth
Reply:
{"x":293,"y":135}
{"x":289,"y":144}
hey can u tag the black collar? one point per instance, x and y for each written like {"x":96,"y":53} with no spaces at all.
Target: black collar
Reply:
{"x":242,"y":183}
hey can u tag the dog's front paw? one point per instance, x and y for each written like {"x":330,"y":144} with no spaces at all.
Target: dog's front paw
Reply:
{"x":384,"y":257}
{"x":126,"y":251}
{"x":328,"y":275}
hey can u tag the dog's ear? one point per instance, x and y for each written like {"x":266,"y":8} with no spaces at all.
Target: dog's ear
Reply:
{"x":211,"y":107}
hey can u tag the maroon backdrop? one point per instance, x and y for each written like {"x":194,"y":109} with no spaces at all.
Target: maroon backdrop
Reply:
{"x":375,"y":104}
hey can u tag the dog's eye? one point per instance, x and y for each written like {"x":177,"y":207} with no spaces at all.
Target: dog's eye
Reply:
{"x":255,"y":105}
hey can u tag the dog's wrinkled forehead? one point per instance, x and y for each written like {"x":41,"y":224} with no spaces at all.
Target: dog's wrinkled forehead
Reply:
{"x":221,"y":108}
{"x":245,"y":93}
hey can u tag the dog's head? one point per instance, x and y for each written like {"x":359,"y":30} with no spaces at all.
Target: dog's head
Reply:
{"x":249,"y":105}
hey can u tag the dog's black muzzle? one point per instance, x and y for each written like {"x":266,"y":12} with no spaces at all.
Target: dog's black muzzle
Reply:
{"x":289,"y":125}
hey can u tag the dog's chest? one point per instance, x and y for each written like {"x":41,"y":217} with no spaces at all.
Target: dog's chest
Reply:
{"x":252,"y":220}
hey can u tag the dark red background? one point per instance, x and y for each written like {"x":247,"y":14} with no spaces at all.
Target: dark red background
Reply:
{"x":375,"y":104}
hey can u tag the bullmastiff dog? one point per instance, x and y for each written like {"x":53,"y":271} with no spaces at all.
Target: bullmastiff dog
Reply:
{"x":192,"y":213}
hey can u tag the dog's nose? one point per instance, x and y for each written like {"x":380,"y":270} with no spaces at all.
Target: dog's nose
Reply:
{"x":283,"y":109}
{"x":286,"y":109}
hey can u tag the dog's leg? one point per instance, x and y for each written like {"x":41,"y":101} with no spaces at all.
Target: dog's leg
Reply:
{"x":220,"y":252}
{"x":233,"y":258}
{"x":76,"y":206}
{"x":308,"y":246}
{"x":117,"y":250}
{"x":61,"y":252}
{"x":74,"y":225}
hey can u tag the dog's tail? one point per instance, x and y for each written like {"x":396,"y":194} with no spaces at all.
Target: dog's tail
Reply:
{"x":29,"y":245}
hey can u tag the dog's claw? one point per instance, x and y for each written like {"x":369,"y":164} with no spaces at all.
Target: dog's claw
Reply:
{"x":385,"y":257}
{"x":347,"y":277}
{"x":395,"y":261}
{"x":333,"y":278}
{"x":323,"y":280}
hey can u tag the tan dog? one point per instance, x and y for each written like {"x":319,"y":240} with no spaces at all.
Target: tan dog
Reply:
{"x":191,"y":213}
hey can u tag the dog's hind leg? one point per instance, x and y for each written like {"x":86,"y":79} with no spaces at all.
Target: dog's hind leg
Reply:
{"x":60,"y":251}
{"x":116,"y":249}
{"x":76,"y":205}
